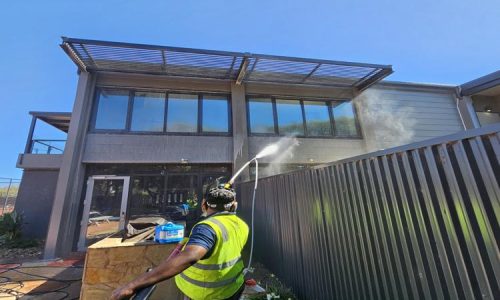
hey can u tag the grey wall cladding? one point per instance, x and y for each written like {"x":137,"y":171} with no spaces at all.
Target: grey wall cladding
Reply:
{"x":35,"y":198}
{"x":415,"y":222}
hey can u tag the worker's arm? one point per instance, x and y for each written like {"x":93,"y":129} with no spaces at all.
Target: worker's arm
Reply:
{"x":167,"y":269}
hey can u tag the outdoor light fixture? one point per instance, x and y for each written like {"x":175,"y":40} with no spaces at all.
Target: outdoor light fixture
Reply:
{"x":487,"y":109}
{"x":184,"y":160}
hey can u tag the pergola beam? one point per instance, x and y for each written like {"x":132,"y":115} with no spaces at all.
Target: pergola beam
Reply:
{"x":243,"y":70}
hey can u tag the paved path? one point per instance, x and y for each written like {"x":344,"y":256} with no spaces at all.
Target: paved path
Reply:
{"x":59,"y":279}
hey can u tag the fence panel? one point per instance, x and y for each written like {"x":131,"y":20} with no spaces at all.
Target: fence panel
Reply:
{"x":8,"y":194}
{"x":414,"y":222}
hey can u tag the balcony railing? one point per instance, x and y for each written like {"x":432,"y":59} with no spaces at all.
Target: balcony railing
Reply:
{"x":54,"y":142}
{"x":39,"y":146}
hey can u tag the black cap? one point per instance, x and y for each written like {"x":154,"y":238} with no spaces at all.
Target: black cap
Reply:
{"x":220,"y":196}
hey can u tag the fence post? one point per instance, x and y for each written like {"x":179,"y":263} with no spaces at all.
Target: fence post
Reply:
{"x":6,"y":197}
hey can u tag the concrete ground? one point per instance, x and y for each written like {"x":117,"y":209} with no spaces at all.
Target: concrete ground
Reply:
{"x":59,"y":279}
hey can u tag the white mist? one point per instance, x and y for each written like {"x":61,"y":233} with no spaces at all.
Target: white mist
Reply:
{"x":385,"y":124}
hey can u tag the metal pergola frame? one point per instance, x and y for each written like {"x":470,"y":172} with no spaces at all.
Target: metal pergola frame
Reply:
{"x":59,"y":120}
{"x":104,"y":56}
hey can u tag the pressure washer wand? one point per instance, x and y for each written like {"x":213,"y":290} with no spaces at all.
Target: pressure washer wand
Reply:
{"x":144,"y":293}
{"x":231,"y":181}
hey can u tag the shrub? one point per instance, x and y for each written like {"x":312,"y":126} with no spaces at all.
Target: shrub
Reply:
{"x":23,"y":243}
{"x":11,"y":225}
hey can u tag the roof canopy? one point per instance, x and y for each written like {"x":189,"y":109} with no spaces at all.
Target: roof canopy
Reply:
{"x":59,"y":120}
{"x":95,"y":56}
{"x":480,"y":84}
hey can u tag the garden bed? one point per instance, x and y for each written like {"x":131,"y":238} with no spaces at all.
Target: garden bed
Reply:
{"x":274,"y":288}
{"x":19,"y":251}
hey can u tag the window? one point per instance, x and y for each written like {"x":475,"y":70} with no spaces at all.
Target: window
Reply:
{"x":185,"y":113}
{"x":345,"y":121}
{"x":290,"y":121}
{"x":317,"y":118}
{"x":112,"y":110}
{"x":261,"y":115}
{"x":148,"y":112}
{"x":182,"y":113}
{"x":305,"y":118}
{"x":215,"y":114}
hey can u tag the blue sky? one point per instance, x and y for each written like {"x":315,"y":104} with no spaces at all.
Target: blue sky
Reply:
{"x":425,"y":41}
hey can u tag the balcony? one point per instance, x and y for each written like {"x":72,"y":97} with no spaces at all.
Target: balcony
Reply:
{"x":40,"y":146}
{"x":46,"y":141}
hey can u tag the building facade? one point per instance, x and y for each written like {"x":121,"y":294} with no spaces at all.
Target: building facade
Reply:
{"x":153,"y":127}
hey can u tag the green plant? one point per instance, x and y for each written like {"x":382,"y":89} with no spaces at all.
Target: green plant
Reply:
{"x":11,"y":225}
{"x":23,"y":243}
{"x":274,"y":290}
{"x":192,"y":200}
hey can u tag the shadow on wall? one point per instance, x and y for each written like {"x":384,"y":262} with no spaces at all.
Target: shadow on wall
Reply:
{"x":384,"y":124}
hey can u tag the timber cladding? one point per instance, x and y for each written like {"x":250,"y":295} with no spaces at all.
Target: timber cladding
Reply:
{"x":415,"y":222}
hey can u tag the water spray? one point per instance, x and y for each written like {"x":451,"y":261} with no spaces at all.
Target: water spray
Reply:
{"x":268,"y":150}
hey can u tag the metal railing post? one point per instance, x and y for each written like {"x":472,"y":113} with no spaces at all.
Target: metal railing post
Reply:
{"x":29,"y":140}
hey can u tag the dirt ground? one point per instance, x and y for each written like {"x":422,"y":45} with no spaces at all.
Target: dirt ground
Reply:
{"x":8,"y":254}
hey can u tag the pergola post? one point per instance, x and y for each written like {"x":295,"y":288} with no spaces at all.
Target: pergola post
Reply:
{"x":29,"y":141}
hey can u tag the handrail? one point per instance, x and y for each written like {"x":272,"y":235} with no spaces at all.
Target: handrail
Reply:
{"x":46,"y":142}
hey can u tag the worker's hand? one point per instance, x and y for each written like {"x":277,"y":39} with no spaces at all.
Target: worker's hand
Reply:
{"x":122,"y":292}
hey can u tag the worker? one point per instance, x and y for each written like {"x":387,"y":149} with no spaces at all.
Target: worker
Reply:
{"x":210,"y":265}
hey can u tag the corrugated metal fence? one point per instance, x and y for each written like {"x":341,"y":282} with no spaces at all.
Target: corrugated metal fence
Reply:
{"x":414,"y":222}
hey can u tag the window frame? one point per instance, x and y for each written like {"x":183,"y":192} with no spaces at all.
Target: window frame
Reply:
{"x":198,"y":103}
{"x":356,"y":122}
{"x":95,"y":110}
{"x":276,"y":119}
{"x":131,"y":109}
{"x":328,"y":105}
{"x":273,"y":106}
{"x":327,"y":101}
{"x":229,"y":115}
{"x":130,"y":105}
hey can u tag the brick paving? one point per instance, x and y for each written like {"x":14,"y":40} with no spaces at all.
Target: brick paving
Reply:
{"x":58,"y":279}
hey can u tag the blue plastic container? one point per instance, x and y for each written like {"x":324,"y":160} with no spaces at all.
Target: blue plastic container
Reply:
{"x":169,"y":233}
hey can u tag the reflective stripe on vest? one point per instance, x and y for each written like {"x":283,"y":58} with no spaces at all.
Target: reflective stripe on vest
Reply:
{"x":204,"y":284}
{"x":221,"y":274}
{"x":217,"y":266}
{"x":222,"y":228}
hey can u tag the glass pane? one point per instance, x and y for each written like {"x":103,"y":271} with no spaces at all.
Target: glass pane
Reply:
{"x":47,"y":139}
{"x":146,"y":197}
{"x":317,"y":119}
{"x":47,"y":147}
{"x":289,"y":117}
{"x":215,"y":114}
{"x":112,"y":110}
{"x":181,"y":195}
{"x":182,"y":115}
{"x":345,"y":122}
{"x":104,"y":215}
{"x":148,"y":112}
{"x":261,"y":116}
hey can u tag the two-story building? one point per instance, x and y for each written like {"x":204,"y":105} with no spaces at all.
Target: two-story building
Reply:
{"x":153,"y":126}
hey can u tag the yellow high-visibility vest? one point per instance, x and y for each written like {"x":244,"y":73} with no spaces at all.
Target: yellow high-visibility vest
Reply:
{"x":221,"y":275}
